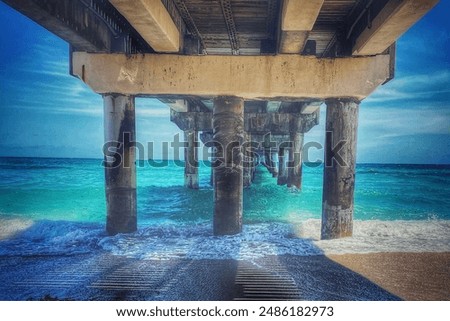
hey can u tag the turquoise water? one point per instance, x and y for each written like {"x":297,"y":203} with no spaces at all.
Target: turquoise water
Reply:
{"x":73,"y":190}
{"x":50,"y":206}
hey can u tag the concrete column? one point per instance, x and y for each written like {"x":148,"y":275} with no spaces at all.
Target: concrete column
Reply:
{"x":120,"y":167}
{"x":282,"y":171}
{"x":211,"y":177}
{"x":339,"y":172}
{"x":247,"y":176}
{"x":270,"y":162}
{"x":228,"y":126}
{"x":267,"y":160}
{"x":248,"y":167}
{"x":256,"y":162}
{"x":191,"y":159}
{"x":274,"y":163}
{"x":295,"y":161}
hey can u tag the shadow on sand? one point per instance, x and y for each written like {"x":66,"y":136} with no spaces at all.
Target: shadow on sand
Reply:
{"x":102,"y":276}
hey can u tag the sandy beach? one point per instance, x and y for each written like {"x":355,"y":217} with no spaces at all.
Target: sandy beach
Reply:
{"x":379,"y":276}
{"x":410,"y":276}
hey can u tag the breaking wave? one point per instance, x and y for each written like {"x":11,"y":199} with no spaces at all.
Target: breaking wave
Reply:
{"x":195,"y":240}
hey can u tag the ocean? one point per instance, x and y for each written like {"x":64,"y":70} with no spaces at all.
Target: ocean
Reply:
{"x":57,"y":207}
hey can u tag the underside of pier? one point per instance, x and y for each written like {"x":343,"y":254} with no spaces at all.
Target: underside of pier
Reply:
{"x":250,"y":76}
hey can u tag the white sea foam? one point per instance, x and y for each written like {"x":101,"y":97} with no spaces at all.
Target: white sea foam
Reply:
{"x":195,"y":241}
{"x":12,"y":226}
{"x":259,"y":240}
{"x":384,"y":236}
{"x":50,"y":238}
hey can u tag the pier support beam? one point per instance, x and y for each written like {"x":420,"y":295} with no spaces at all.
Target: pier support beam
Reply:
{"x":282,"y":171}
{"x":267,"y":160}
{"x":120,"y":167}
{"x":339,"y":172}
{"x":248,"y":166}
{"x":295,"y":161}
{"x":274,"y":163}
{"x":191,"y":159}
{"x":210,"y":75}
{"x":228,"y":125}
{"x":271,"y":161}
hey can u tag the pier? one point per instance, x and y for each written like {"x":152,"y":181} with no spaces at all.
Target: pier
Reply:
{"x":247,"y":78}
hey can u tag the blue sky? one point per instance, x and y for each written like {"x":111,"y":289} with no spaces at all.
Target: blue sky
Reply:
{"x":47,"y":113}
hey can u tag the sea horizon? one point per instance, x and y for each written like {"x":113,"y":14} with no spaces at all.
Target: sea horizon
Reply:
{"x":181,"y":160}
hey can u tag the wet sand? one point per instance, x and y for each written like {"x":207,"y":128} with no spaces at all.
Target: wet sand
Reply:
{"x":410,"y":276}
{"x":379,"y":276}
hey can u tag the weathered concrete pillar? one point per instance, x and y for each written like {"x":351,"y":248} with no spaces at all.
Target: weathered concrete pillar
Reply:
{"x":211,"y":177}
{"x":274,"y":163}
{"x":266,"y":148}
{"x":207,"y":138}
{"x":191,"y":159}
{"x":295,"y":161}
{"x":270,"y":161}
{"x":266,"y":160}
{"x":256,"y":163}
{"x":282,"y":171}
{"x":228,"y":126}
{"x":120,"y":167}
{"x":248,"y":166}
{"x":339,"y":172}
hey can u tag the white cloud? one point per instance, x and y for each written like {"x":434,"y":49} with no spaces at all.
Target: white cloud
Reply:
{"x":413,"y":87}
{"x":393,"y":122}
{"x":141,"y":112}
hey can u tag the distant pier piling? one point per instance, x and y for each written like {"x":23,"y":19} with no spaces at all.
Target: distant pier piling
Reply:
{"x":191,"y":159}
{"x":295,"y":161}
{"x":282,"y":170}
{"x":120,"y":167}
{"x":248,"y":163}
{"x":274,"y":163}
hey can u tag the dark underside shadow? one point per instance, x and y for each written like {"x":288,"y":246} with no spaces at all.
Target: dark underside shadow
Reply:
{"x":108,"y":277}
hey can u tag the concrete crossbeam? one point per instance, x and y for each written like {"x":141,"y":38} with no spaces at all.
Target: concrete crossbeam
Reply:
{"x":297,"y":19}
{"x":292,"y":42}
{"x":152,"y":20}
{"x":393,"y":20}
{"x":281,"y":77}
{"x":179,"y":105}
{"x":310,"y":108}
{"x":255,"y":123}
